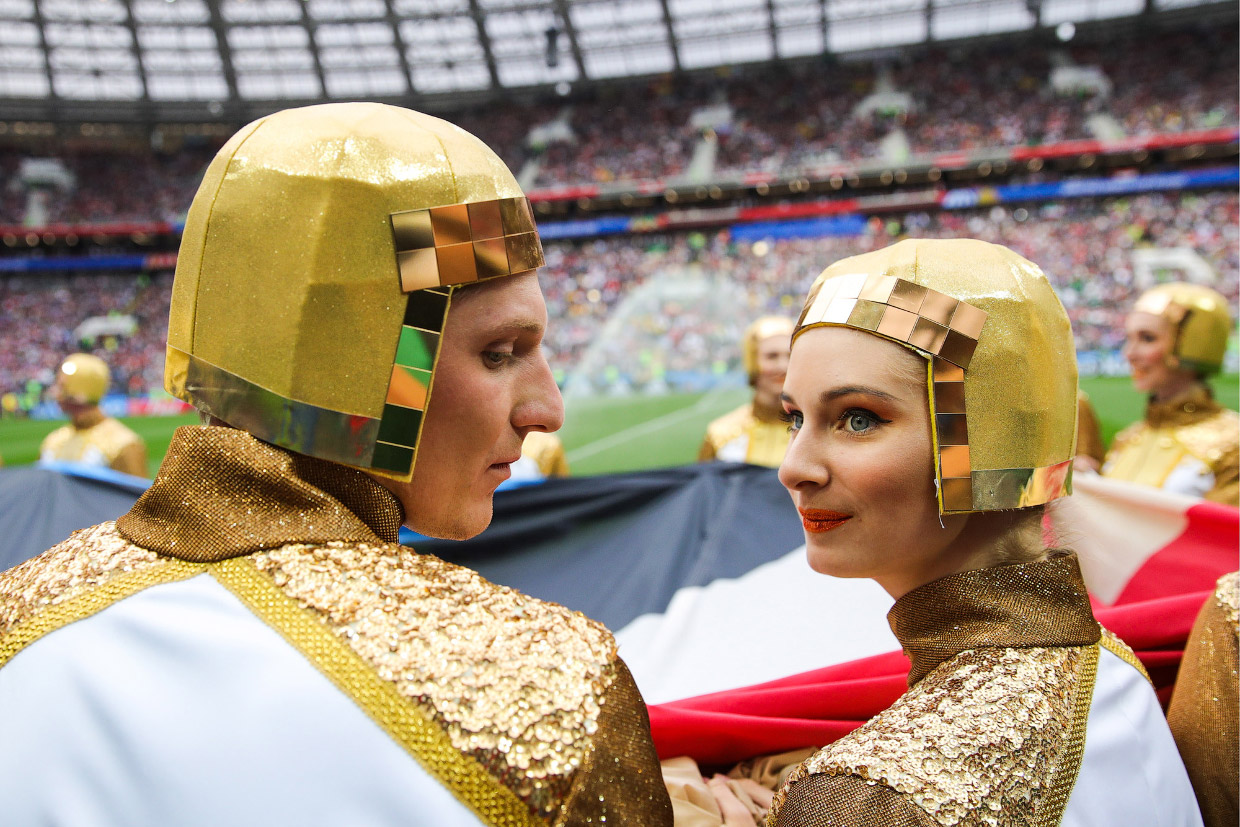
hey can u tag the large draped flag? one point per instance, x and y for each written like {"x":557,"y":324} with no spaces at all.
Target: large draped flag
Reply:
{"x":738,"y":647}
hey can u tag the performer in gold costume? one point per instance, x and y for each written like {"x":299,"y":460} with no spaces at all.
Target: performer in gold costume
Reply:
{"x":91,"y":437}
{"x":932,"y":389}
{"x":356,"y":311}
{"x":542,"y":455}
{"x":755,"y":432}
{"x":1187,"y":443}
{"x":1206,"y":703}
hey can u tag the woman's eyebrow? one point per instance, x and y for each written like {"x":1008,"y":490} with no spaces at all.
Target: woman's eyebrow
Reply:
{"x":849,"y":390}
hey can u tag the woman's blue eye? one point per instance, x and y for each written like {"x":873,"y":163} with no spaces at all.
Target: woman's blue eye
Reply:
{"x":858,"y":422}
{"x":794,"y":419}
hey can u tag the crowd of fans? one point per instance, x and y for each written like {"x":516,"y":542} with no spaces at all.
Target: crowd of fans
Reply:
{"x":649,"y":312}
{"x":783,"y":119}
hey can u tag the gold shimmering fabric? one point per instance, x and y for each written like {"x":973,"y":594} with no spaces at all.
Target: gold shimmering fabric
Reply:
{"x":1199,"y":317}
{"x":743,"y":435}
{"x":1206,"y":703}
{"x":255,"y":496}
{"x":86,"y":573}
{"x":100,"y":444}
{"x":1002,"y":379}
{"x":992,"y":730}
{"x":1029,"y":604}
{"x":621,"y":782}
{"x":291,"y":297}
{"x":1191,"y":426}
{"x":521,"y":708}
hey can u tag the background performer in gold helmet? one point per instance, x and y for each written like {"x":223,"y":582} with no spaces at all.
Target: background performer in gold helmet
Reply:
{"x":356,"y":312}
{"x":91,"y":437}
{"x":755,"y":432}
{"x":932,"y":390}
{"x":1187,"y":443}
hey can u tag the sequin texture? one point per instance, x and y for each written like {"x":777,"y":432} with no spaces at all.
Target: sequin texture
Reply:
{"x":970,"y":743}
{"x":87,"y":559}
{"x":514,"y":682}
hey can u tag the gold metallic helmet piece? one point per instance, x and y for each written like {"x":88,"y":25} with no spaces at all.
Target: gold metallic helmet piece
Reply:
{"x":1001,"y":368}
{"x":758,"y":330}
{"x":1200,"y":319}
{"x":83,"y":379}
{"x":316,"y":270}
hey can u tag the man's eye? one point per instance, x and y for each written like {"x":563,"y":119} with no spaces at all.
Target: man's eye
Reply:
{"x":495,"y":357}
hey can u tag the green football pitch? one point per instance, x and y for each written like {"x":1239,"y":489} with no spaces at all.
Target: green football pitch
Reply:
{"x":605,"y":435}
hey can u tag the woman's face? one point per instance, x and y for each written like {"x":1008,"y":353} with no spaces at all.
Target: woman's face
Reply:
{"x":860,"y":465}
{"x":772,"y":361}
{"x":1149,"y":342}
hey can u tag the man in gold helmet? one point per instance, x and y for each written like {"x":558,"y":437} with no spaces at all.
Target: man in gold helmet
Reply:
{"x":91,"y":437}
{"x":756,"y":432}
{"x":1188,"y":443}
{"x":356,"y":313}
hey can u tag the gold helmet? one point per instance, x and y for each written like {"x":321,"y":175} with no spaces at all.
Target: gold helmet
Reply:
{"x":759,"y":329}
{"x":83,"y":379}
{"x":316,"y":269}
{"x":1200,"y":319}
{"x":1001,"y":368}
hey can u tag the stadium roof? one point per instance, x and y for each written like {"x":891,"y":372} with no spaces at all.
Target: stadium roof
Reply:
{"x":214,"y":58}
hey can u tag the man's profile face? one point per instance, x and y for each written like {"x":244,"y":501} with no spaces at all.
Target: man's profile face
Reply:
{"x":492,"y":387}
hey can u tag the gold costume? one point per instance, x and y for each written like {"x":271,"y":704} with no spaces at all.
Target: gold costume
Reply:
{"x":751,"y":433}
{"x":311,"y":547}
{"x":318,"y":265}
{"x":91,"y":438}
{"x":1204,"y":708}
{"x":1189,"y":445}
{"x":745,"y":435}
{"x":100,"y":444}
{"x":1005,"y":659}
{"x":547,"y":451}
{"x":992,"y":729}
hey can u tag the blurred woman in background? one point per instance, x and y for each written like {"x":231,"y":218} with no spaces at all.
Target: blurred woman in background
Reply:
{"x":932,"y":395}
{"x":1187,"y":443}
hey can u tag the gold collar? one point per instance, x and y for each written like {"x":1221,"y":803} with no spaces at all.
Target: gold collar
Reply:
{"x":1024,"y":605}
{"x":221,"y":493}
{"x":1194,"y":405}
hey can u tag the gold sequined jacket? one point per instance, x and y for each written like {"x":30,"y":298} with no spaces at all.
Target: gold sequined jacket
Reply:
{"x":1203,"y":712}
{"x":99,"y":444}
{"x":992,"y":728}
{"x":521,"y":708}
{"x":745,"y":436}
{"x":1191,"y":428}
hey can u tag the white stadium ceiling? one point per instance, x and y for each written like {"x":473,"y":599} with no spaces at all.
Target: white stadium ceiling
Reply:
{"x":213,"y":52}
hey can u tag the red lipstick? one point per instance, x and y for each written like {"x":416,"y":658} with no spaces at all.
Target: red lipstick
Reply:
{"x":820,"y":521}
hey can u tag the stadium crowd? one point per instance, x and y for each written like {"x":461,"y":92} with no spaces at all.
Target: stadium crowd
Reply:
{"x":707,"y":287}
{"x":984,"y":97}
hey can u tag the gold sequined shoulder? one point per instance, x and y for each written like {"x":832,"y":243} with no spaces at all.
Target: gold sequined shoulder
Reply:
{"x":86,"y":573}
{"x":989,"y":737}
{"x":731,"y":425}
{"x":1112,"y":643}
{"x":513,"y":681}
{"x":1212,"y":440}
{"x":1227,"y":596}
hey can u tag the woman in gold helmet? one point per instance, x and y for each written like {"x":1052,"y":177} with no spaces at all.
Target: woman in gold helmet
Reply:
{"x":932,"y":396}
{"x":755,"y":432}
{"x":357,"y":314}
{"x":1188,"y":443}
{"x":91,"y":437}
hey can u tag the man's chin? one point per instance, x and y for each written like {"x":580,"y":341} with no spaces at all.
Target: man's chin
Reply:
{"x":451,"y":527}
